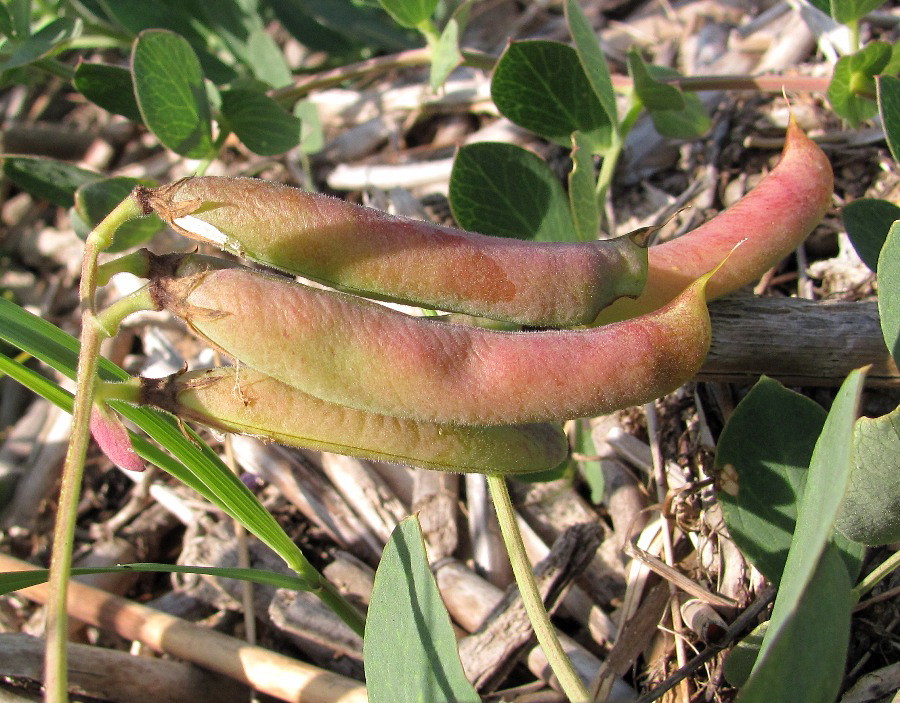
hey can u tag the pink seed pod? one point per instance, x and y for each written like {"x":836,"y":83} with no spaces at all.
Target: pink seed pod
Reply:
{"x":239,"y":399}
{"x":370,"y":253}
{"x":363,"y":355}
{"x":772,"y":220}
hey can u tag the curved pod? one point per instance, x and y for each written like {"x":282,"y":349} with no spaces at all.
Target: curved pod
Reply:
{"x":364,"y":251}
{"x":247,"y":402}
{"x":363,"y":355}
{"x":771,"y":220}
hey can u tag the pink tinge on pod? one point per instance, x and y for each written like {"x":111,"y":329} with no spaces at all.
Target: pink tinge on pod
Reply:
{"x":112,"y":438}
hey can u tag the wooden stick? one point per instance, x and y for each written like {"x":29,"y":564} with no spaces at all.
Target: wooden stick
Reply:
{"x":269,"y":672}
{"x":798,"y":342}
{"x":118,"y":676}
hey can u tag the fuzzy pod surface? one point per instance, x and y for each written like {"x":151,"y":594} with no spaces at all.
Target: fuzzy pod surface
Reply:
{"x":241,"y":400}
{"x":363,"y":355}
{"x":368,"y":252}
{"x":772,"y":220}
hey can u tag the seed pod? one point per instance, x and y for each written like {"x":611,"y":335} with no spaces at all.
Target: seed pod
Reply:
{"x":363,"y":355}
{"x":245,"y":401}
{"x":772,"y":220}
{"x":367,"y":252}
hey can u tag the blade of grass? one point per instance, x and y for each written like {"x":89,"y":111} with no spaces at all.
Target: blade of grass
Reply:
{"x":195,"y":464}
{"x":15,"y":580}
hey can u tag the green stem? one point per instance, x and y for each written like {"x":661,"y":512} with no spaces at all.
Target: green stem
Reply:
{"x":333,"y":598}
{"x":571,"y":683}
{"x":55,"y":677}
{"x":882,"y":570}
{"x":611,"y":157}
{"x":110,"y":319}
{"x":137,"y":263}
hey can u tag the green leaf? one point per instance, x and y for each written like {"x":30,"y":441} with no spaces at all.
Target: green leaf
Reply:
{"x":445,"y":54}
{"x":312,"y":139}
{"x":592,"y":59}
{"x":266,"y":59}
{"x":95,"y":200}
{"x":14,"y":580}
{"x":686,"y":122}
{"x":868,"y":221}
{"x":168,"y":85}
{"x":653,"y":94}
{"x":262,"y":125}
{"x":826,"y":485}
{"x":137,"y":16}
{"x":7,"y":28}
{"x":49,"y":179}
{"x":582,"y":190}
{"x":847,"y":11}
{"x":336,"y":27}
{"x":804,"y":661}
{"x":851,"y":91}
{"x":762,"y":459}
{"x":20,"y":14}
{"x":888,"y":89}
{"x":409,"y":648}
{"x":47,"y":40}
{"x":871,"y":510}
{"x":110,"y":87}
{"x":739,"y":662}
{"x":689,"y":123}
{"x":409,"y":13}
{"x":591,"y":469}
{"x":505,"y":191}
{"x":541,"y":86}
{"x":888,"y":277}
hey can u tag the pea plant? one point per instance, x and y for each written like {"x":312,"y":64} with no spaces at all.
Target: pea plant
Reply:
{"x":591,"y":323}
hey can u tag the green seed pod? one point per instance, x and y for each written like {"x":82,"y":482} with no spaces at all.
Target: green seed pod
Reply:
{"x":367,"y":252}
{"x":239,"y":399}
{"x":363,"y":355}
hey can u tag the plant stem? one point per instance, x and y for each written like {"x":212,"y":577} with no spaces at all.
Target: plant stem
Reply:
{"x":332,"y":597}
{"x":871,"y":579}
{"x":611,"y":157}
{"x":571,"y":682}
{"x":55,"y":676}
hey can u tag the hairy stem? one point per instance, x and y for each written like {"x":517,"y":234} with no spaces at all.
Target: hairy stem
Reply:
{"x":56,"y":679}
{"x":571,"y":683}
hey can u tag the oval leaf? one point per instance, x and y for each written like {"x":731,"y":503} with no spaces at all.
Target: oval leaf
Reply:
{"x":762,"y":457}
{"x":541,"y":86}
{"x":261,"y":123}
{"x":168,"y":85}
{"x":871,"y":510}
{"x":95,"y":200}
{"x":506,"y":191}
{"x":853,"y":78}
{"x":888,"y":276}
{"x":409,"y":648}
{"x":49,"y":179}
{"x":868,"y":221}
{"x":110,"y":87}
{"x":653,"y":94}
